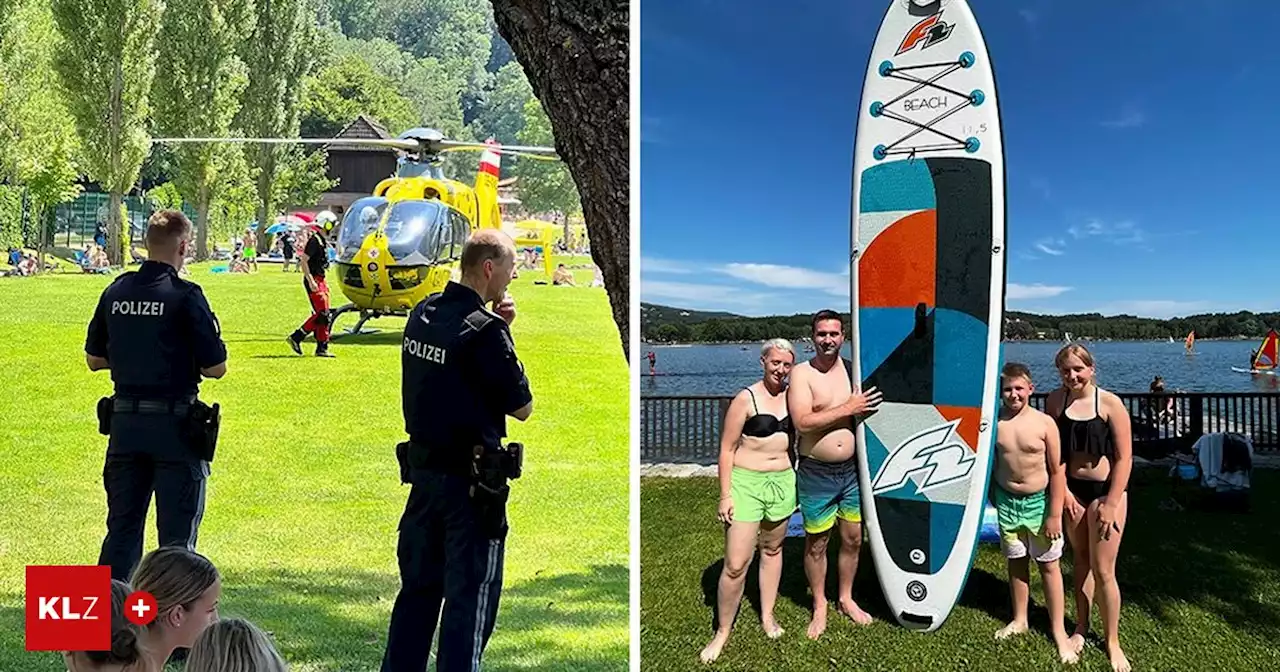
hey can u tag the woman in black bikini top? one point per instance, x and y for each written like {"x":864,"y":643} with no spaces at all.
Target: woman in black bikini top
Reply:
{"x":757,"y":492}
{"x":765,"y":425}
{"x":1096,"y":518}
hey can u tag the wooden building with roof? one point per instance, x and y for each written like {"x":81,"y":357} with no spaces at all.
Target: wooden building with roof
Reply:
{"x":357,"y":169}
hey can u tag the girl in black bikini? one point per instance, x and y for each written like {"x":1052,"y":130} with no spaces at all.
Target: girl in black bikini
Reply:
{"x":1097,"y":447}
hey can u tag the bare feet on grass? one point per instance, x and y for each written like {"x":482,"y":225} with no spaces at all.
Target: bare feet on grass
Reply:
{"x":851,"y":609}
{"x":1014,"y":628}
{"x":712,"y":650}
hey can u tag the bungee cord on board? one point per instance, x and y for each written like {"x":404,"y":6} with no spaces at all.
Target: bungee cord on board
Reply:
{"x":879,"y":109}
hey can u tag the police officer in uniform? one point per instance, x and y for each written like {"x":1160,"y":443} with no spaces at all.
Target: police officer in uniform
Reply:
{"x":461,"y":379}
{"x":157,"y":335}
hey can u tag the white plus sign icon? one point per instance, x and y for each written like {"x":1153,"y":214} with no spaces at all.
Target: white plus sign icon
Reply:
{"x":142,"y":607}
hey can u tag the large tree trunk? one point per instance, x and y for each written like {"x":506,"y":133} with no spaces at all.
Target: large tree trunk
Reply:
{"x":115,"y":237}
{"x":574,"y":53}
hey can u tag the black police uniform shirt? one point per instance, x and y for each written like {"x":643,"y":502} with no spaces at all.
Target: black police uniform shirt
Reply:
{"x":156,"y":331}
{"x":459,"y":384}
{"x":317,"y":255}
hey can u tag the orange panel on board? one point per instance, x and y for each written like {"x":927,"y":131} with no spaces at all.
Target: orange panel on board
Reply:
{"x":899,"y":269}
{"x":969,"y":418}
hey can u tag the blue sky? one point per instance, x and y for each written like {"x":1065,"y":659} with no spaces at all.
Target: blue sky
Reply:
{"x":1137,"y":143}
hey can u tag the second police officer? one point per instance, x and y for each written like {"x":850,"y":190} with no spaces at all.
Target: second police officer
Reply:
{"x":157,"y":335}
{"x":461,"y":380}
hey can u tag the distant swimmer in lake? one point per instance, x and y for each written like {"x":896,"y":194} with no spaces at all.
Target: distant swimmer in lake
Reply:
{"x":1097,"y":448}
{"x":824,"y":405}
{"x":757,"y":491}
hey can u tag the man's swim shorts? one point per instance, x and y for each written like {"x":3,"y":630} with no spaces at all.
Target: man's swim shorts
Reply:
{"x":828,"y":490}
{"x":762,"y":495}
{"x":1021,"y":519}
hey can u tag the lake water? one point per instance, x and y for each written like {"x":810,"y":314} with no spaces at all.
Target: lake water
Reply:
{"x":1129,"y":366}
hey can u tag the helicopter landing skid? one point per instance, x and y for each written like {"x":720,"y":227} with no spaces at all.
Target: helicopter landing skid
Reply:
{"x":365,"y":316}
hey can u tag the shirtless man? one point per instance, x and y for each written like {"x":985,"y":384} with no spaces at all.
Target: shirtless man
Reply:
{"x":823,"y":404}
{"x":1029,"y":484}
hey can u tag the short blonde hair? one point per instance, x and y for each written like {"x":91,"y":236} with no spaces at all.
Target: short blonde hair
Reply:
{"x":234,"y":645}
{"x":779,"y":343}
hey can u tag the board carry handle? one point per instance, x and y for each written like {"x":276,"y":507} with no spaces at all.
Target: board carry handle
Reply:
{"x":921,"y":313}
{"x":925,"y":622}
{"x":923,"y":7}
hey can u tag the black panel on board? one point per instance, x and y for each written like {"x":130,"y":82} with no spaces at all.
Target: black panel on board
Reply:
{"x":906,"y":526}
{"x":963,"y":190}
{"x":906,"y":375}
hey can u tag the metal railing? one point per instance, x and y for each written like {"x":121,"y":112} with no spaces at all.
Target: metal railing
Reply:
{"x":688,"y":428}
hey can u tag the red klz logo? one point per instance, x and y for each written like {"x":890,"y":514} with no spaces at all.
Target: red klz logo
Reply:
{"x":932,"y":29}
{"x":68,"y":608}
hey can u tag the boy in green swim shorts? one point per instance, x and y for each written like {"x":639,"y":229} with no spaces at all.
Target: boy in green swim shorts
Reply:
{"x":1027,"y":488}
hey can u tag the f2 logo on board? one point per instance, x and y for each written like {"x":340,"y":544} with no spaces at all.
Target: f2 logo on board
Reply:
{"x":934,"y":452}
{"x":932,"y":29}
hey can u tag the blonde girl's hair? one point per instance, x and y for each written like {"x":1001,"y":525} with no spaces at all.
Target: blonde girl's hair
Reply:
{"x":175,"y":576}
{"x":234,"y":645}
{"x":1079,"y":351}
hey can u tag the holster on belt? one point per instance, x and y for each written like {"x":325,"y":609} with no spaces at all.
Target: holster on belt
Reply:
{"x":402,"y":458}
{"x":106,"y":408}
{"x":200,"y":429}
{"x":490,"y":470}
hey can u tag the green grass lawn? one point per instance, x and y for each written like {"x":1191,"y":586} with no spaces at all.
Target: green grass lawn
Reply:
{"x":302,"y":524}
{"x":1200,"y":591}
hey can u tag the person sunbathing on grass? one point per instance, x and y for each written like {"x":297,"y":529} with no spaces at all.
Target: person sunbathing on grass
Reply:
{"x":757,"y":491}
{"x":1029,"y":484}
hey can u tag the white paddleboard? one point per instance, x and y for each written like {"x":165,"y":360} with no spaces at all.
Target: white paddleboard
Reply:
{"x":928,"y":282}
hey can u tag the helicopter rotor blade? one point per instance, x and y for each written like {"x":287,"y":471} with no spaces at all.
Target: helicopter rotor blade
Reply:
{"x":480,"y":146}
{"x":502,"y":150}
{"x":394,"y":143}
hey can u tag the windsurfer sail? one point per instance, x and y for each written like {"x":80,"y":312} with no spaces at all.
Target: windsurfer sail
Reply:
{"x":1191,"y":343}
{"x":1265,"y":357}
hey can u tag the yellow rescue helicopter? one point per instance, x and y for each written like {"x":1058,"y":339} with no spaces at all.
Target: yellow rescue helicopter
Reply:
{"x":403,"y":242}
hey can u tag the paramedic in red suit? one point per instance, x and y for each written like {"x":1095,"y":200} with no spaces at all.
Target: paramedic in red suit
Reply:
{"x":315,"y":259}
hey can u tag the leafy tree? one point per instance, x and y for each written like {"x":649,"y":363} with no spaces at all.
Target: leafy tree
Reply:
{"x":545,"y":186}
{"x":575,"y":55}
{"x":346,"y":89}
{"x":105,"y":68}
{"x":278,"y":53}
{"x":198,"y":91}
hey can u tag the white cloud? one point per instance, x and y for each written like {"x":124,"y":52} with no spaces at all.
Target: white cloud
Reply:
{"x":1051,"y":246}
{"x":1156,"y":308}
{"x":1016,"y":292}
{"x":1130,"y":117}
{"x":655,"y":265}
{"x":790,"y":277}
{"x":1120,"y":233}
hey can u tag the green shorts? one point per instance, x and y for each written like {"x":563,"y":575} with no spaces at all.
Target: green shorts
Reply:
{"x":1021,"y":519}
{"x":250,"y":253}
{"x":762,"y":495}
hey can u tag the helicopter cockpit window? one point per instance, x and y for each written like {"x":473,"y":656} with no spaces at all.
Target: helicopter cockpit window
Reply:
{"x":461,"y":231}
{"x":413,"y":231}
{"x":362,"y":219}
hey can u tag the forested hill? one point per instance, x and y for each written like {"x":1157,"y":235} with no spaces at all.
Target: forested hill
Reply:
{"x":665,"y":324}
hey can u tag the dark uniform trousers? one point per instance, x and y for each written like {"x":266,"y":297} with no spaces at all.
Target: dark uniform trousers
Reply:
{"x":147,"y":454}
{"x":444,"y":557}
